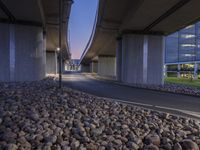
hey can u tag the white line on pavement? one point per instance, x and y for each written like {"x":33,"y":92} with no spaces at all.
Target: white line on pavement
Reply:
{"x":136,"y":103}
{"x":196,"y":114}
{"x":192,"y":113}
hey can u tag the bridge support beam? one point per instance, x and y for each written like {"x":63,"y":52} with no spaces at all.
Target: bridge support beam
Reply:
{"x":22,"y":53}
{"x":107,"y":66}
{"x":51,"y":62}
{"x":94,"y":67}
{"x":142,"y":59}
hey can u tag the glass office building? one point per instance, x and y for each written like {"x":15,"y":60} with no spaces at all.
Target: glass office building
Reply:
{"x":182,"y":54}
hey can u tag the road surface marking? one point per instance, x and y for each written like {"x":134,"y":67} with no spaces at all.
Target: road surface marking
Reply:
{"x":197,"y":114}
{"x":192,"y":113}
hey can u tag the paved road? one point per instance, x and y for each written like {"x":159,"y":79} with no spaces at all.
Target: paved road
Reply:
{"x":160,"y":100}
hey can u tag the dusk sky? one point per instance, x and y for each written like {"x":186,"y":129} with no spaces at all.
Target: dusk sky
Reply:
{"x":80,"y":25}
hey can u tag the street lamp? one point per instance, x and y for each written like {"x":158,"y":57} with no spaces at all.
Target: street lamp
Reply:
{"x":57,"y":59}
{"x":60,"y":66}
{"x":59,"y":48}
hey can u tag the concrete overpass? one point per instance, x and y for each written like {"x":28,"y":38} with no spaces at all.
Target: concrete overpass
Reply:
{"x":128,"y":37}
{"x":29,"y":35}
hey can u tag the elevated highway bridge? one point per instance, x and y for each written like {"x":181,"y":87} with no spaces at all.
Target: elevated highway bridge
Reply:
{"x":29,"y":36}
{"x":128,"y":37}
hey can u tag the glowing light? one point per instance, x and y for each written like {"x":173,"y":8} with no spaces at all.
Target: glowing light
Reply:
{"x":58,"y":49}
{"x":189,"y":55}
{"x":187,"y":36}
{"x":188,"y":45}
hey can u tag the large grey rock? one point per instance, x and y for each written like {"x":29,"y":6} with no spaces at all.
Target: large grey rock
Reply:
{"x":189,"y":145}
{"x":152,"y":139}
{"x":133,"y":145}
{"x":11,"y":147}
{"x":51,"y":139}
{"x":97,"y":132}
{"x":151,"y":147}
{"x":177,"y":146}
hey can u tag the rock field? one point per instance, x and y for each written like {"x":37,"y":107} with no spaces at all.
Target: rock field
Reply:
{"x":37,"y":115}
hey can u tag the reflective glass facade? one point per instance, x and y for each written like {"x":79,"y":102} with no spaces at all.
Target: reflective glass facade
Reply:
{"x":184,"y":45}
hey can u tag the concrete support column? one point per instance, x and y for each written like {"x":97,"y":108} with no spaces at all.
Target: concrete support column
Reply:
{"x":142,"y":59}
{"x":94,"y":67}
{"x":179,"y":71}
{"x":12,"y":52}
{"x":195,"y":71}
{"x":165,"y":71}
{"x":107,"y":66}
{"x":5,"y":52}
{"x":85,"y":68}
{"x":44,"y":50}
{"x":22,"y":55}
{"x":119,"y":59}
{"x":51,"y":62}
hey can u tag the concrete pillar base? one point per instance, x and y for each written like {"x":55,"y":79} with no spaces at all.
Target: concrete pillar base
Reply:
{"x":85,"y":68}
{"x":107,"y":66}
{"x":94,"y":67}
{"x":142,"y":59}
{"x":51,"y":62}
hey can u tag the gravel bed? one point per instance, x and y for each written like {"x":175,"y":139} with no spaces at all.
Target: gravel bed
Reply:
{"x":37,"y":115}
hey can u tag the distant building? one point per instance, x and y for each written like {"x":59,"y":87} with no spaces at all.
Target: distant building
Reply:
{"x":182,"y":56}
{"x":72,"y":65}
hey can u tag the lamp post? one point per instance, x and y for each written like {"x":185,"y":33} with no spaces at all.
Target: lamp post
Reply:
{"x":60,"y":36}
{"x":57,"y":59}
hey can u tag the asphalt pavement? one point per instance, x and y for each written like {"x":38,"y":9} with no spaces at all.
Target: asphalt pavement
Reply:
{"x":162,"y":101}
